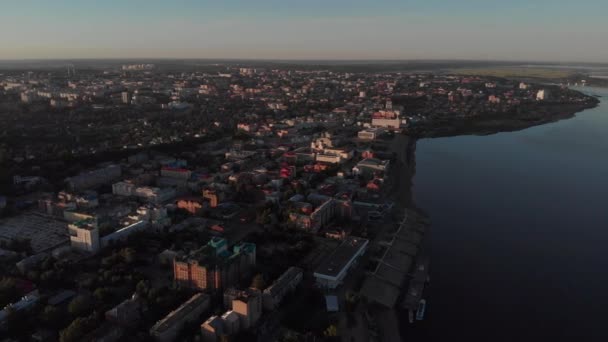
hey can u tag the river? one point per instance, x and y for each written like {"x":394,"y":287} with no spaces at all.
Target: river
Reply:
{"x":519,"y":244}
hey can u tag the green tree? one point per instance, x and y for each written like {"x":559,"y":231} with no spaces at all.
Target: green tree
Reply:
{"x":128,"y":255}
{"x":331,"y":331}
{"x":77,"y":329}
{"x":102,"y":294}
{"x":80,"y":306}
{"x":142,"y":288}
{"x":51,"y":316}
{"x":8,"y":291}
{"x":258,"y":282}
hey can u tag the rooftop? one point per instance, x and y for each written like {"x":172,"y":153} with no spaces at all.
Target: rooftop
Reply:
{"x":178,"y":314}
{"x":341,"y":256}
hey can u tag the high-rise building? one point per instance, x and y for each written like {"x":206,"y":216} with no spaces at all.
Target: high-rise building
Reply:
{"x":84,"y":235}
{"x":213,"y":266}
{"x":248,"y":306}
{"x":126,"y":97}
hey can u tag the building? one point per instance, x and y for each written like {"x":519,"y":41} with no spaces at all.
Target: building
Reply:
{"x":214,"y":267}
{"x":193,"y":205}
{"x":125,"y":313}
{"x":166,"y":330}
{"x":370,"y":133}
{"x":542,"y":95}
{"x":387,"y":119}
{"x":175,"y":172}
{"x":24,"y":303}
{"x":214,"y":197}
{"x":94,"y":178}
{"x":370,"y":167}
{"x":334,"y":268}
{"x":287,"y":282}
{"x":123,"y":233}
{"x":84,"y":235}
{"x":212,"y":329}
{"x":248,"y":307}
{"x":155,"y":195}
{"x":231,"y":322}
{"x":307,"y":219}
{"x":328,"y":158}
{"x":123,"y":189}
{"x":146,"y":193}
{"x":126,"y":97}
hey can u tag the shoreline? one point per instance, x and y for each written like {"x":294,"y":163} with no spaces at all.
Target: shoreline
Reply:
{"x":500,"y":123}
{"x":405,"y":146}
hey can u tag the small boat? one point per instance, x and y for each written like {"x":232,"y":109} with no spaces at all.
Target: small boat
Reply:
{"x":421,"y":309}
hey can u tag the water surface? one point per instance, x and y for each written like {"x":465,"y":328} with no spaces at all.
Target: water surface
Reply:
{"x":520,"y":231}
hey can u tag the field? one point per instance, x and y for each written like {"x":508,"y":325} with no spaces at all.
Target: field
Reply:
{"x":517,"y":72}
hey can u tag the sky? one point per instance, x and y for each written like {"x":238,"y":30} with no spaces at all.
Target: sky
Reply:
{"x":530,"y":30}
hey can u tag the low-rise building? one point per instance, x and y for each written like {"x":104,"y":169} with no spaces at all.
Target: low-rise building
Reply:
{"x":166,"y":330}
{"x":371,"y":166}
{"x":287,"y":282}
{"x":212,"y":329}
{"x":334,"y":268}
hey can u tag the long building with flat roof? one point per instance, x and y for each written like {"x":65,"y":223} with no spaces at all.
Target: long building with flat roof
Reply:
{"x":334,"y":268}
{"x":167,"y":329}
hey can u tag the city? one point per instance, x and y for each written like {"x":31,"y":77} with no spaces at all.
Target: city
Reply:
{"x":233,"y":204}
{"x":303,"y":171}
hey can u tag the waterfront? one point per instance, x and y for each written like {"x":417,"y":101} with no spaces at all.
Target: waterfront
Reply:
{"x":519,"y":234}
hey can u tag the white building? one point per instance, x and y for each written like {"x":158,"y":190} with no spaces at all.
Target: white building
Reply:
{"x":84,"y":236}
{"x":371,"y":166}
{"x":387,"y":118}
{"x":334,"y":268}
{"x":370,"y":133}
{"x":542,"y":95}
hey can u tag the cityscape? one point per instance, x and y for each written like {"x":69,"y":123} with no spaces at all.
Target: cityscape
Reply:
{"x":263,"y":199}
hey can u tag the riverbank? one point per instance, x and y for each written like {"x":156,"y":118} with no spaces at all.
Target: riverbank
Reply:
{"x":510,"y":273}
{"x":404,"y":166}
{"x":496,"y":123}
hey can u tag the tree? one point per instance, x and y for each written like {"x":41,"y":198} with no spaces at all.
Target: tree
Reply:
{"x":128,"y":255}
{"x":8,"y":291}
{"x":258,"y":282}
{"x":77,"y":329}
{"x":331,"y":331}
{"x":51,"y":316}
{"x":80,"y":306}
{"x":102,"y":294}
{"x":142,"y":288}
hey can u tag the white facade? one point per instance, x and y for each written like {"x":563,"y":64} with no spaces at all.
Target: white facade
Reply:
{"x":84,"y":237}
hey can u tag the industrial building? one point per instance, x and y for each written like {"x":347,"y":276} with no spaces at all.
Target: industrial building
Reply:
{"x":335,"y":267}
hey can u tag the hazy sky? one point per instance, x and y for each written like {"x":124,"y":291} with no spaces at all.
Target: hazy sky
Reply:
{"x":553,"y":30}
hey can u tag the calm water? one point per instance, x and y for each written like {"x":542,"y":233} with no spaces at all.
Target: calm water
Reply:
{"x":520,"y":231}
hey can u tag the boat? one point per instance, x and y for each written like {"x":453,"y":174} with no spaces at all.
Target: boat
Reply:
{"x":421,"y":310}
